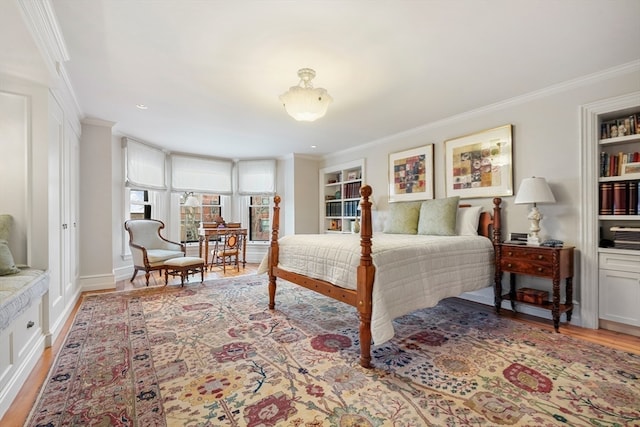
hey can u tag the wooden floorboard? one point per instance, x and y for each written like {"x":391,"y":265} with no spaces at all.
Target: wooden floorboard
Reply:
{"x":20,"y":409}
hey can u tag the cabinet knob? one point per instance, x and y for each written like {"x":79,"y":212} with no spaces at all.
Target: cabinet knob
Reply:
{"x":30,"y":324}
{"x":509,"y":265}
{"x":540,"y":269}
{"x":539,"y":256}
{"x":510,"y":253}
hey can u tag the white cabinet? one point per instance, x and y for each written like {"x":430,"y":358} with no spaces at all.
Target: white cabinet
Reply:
{"x":340,"y":196}
{"x":619,"y":292}
{"x":618,"y":194}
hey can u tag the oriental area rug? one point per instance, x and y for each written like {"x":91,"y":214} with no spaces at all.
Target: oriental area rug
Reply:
{"x":213,"y":354}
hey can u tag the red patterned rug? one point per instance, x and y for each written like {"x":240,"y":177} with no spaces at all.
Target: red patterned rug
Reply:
{"x":214,"y":355}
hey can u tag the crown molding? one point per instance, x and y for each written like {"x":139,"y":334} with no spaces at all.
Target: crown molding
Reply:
{"x":41,"y":21}
{"x":589,"y":79}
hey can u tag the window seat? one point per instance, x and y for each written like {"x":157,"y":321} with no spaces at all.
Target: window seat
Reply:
{"x":19,"y":291}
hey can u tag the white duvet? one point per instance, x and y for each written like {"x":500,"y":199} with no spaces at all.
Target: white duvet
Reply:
{"x":412,"y":271}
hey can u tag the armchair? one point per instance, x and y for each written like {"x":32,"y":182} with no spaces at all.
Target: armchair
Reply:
{"x":149,"y":249}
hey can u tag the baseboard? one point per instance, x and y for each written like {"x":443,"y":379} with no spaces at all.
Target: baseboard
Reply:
{"x":620,"y":327}
{"x":97,"y":282}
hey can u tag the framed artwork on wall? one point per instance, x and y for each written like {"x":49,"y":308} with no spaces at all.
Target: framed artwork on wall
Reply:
{"x":480,"y":164}
{"x":411,"y":174}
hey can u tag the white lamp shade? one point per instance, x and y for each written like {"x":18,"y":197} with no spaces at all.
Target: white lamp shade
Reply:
{"x":306,"y":104}
{"x":534,"y":190}
{"x":192,"y":201}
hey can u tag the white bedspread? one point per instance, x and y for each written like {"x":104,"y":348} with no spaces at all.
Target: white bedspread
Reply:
{"x":412,"y":271}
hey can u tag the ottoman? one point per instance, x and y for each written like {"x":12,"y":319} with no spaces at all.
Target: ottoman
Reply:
{"x":183,"y":266}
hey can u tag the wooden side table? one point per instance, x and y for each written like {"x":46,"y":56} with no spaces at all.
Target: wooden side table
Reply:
{"x":541,"y":261}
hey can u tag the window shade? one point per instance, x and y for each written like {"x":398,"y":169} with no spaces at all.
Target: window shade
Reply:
{"x":256,"y":177}
{"x":145,"y":166}
{"x":201,"y":175}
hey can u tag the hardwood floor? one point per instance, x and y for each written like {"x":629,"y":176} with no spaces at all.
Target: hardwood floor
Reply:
{"x":19,"y":411}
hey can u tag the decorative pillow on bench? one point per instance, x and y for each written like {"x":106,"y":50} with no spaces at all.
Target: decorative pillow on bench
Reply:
{"x":7,"y":264}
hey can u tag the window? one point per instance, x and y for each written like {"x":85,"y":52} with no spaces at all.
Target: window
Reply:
{"x":209,"y":208}
{"x":139,"y":207}
{"x":259,"y":218}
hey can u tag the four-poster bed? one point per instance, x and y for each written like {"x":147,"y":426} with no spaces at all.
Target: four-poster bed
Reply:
{"x":334,"y":266}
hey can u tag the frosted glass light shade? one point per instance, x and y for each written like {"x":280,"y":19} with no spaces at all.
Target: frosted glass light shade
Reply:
{"x":304,"y":102}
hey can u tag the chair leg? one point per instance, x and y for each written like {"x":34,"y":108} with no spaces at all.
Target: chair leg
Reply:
{"x":146,"y":276}
{"x":135,"y":272}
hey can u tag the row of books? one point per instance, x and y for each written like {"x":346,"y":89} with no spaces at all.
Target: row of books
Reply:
{"x":352,"y":190}
{"x":627,"y":125}
{"x":626,"y":237}
{"x":335,"y":209}
{"x":620,"y":198}
{"x":613,"y":164}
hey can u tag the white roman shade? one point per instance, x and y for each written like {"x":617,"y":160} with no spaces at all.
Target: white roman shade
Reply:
{"x":199,"y":174}
{"x":144,"y":166}
{"x":256,"y":177}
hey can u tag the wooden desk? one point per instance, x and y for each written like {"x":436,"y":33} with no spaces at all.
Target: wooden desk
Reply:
{"x":204,"y":234}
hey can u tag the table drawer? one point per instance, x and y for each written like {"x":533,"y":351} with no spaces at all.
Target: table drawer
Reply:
{"x":523,"y":266}
{"x":540,"y":256}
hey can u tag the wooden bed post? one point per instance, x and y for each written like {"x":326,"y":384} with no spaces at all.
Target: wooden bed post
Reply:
{"x":365,"y":276}
{"x":497,"y":250}
{"x":273,"y":252}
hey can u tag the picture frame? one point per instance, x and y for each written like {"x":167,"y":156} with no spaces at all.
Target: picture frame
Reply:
{"x":352,"y":176}
{"x":480,"y":164}
{"x":411,"y":174}
{"x":631,"y":170}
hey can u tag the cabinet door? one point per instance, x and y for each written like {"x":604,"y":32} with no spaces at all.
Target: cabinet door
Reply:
{"x":620,"y":296}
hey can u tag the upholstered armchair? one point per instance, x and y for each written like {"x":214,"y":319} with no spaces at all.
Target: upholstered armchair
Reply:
{"x":149,"y":249}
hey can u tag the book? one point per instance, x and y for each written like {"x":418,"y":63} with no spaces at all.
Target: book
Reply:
{"x":620,"y":206}
{"x":606,"y":198}
{"x":632,"y":198}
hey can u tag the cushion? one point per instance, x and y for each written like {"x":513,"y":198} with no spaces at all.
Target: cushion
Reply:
{"x":438,"y":217}
{"x":467,"y":221}
{"x":7,"y":265}
{"x":5,"y":226}
{"x":402,"y":218}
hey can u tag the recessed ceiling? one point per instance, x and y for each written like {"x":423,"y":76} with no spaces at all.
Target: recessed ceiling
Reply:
{"x":210,"y":72}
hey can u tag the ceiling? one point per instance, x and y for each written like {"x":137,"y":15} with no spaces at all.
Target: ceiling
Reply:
{"x":211,"y":72}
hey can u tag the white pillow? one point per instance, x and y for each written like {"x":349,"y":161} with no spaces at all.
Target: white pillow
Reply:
{"x":467,"y":221}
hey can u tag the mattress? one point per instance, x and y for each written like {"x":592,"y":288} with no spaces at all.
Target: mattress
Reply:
{"x":412,"y":271}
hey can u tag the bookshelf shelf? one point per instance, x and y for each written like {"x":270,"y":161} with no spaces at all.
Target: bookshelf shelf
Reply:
{"x":340,"y":196}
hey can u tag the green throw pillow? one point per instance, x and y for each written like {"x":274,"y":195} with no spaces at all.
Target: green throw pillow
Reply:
{"x":438,"y":217}
{"x":7,"y":265}
{"x":402,"y":218}
{"x":5,"y":226}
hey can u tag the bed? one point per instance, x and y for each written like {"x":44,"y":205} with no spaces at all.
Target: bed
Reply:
{"x":389,"y":276}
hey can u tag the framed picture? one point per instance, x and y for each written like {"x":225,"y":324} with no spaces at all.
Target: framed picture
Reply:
{"x":480,"y":164}
{"x":631,"y":169}
{"x":411,"y":174}
{"x":352,"y":176}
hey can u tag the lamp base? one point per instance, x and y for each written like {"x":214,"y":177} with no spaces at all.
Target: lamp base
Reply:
{"x":534,"y":240}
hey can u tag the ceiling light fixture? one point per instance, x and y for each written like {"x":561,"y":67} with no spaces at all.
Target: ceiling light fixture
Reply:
{"x":141,"y":107}
{"x":304,"y":102}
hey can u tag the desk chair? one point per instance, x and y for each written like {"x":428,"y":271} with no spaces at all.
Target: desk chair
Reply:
{"x":227,"y":251}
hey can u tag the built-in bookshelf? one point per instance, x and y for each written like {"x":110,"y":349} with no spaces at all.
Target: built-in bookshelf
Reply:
{"x":340,"y":196}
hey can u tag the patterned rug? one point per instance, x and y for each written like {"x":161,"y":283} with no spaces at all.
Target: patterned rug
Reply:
{"x":215,"y":355}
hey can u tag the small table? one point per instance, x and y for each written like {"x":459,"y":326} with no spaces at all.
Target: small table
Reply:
{"x":183,"y":266}
{"x":205,"y":233}
{"x":555,"y":263}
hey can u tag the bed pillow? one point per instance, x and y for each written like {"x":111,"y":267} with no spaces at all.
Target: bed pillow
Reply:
{"x":402,"y":218}
{"x":5,"y":226}
{"x":467,"y":221}
{"x":7,"y":265}
{"x":438,"y":217}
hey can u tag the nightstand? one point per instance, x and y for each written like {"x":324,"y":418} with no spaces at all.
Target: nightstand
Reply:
{"x":540,"y":261}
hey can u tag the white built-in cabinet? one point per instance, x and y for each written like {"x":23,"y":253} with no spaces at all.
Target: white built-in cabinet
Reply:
{"x":617,"y":295}
{"x":63,"y":217}
{"x":340,"y":196}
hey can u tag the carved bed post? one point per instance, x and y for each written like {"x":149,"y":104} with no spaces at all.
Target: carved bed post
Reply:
{"x":273,"y":252}
{"x":497,"y":250}
{"x":365,"y":276}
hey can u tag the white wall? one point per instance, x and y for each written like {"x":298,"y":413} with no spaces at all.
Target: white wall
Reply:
{"x":546,"y":143}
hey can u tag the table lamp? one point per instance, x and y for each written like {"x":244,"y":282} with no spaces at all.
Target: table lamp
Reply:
{"x":534,"y":190}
